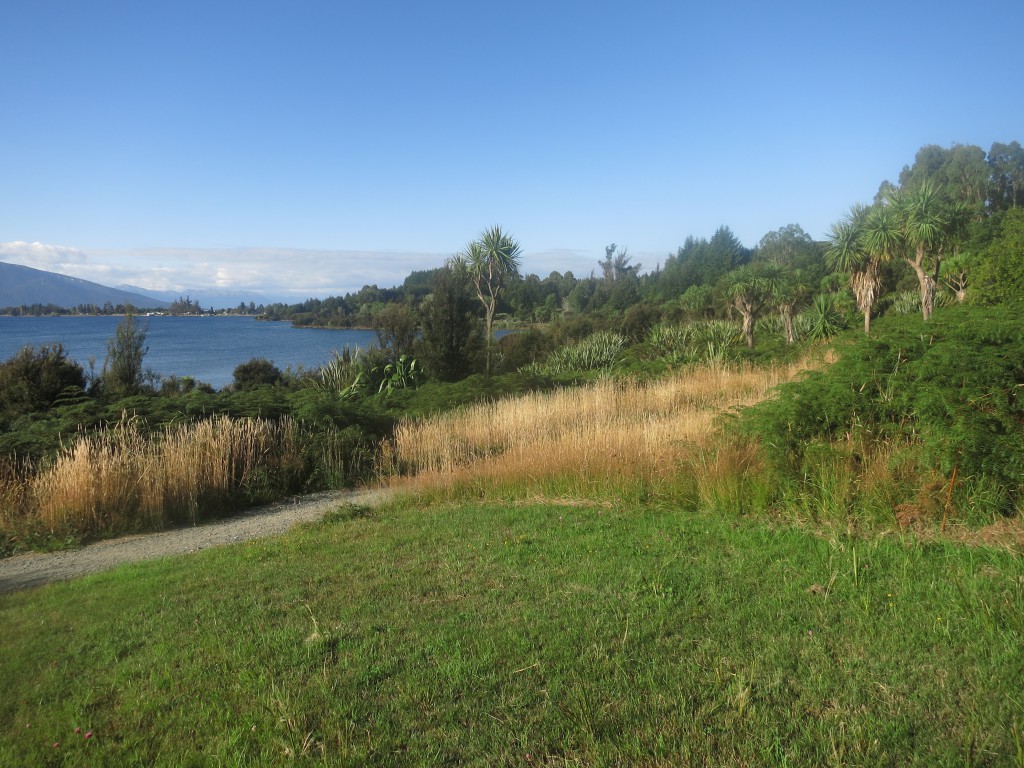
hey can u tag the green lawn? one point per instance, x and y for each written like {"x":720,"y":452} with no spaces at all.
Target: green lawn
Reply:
{"x":525,"y":635}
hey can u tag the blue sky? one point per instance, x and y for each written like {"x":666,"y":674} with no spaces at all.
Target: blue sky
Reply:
{"x":308,"y":148}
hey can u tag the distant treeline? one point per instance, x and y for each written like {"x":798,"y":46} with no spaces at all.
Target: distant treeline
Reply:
{"x":180,"y":306}
{"x":977,"y":195}
{"x":45,"y":310}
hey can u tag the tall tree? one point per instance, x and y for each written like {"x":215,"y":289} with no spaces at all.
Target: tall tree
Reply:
{"x":967,"y":176}
{"x":615,"y":265}
{"x":1006,"y":162}
{"x":395,"y":325}
{"x":846,"y":253}
{"x":749,"y":288}
{"x":34,"y":379}
{"x":788,"y":291}
{"x":451,"y":343}
{"x":961,"y":170}
{"x":928,"y":227}
{"x":122,"y":370}
{"x":999,"y":274}
{"x":787,"y":246}
{"x":492,"y":260}
{"x":701,"y":262}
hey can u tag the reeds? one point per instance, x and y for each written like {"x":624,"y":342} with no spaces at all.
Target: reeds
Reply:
{"x":123,"y":479}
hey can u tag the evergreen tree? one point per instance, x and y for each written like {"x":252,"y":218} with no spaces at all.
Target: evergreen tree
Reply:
{"x":451,"y":343}
{"x":122,"y":371}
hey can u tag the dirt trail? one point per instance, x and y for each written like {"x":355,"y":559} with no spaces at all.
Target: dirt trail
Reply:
{"x":35,"y":568}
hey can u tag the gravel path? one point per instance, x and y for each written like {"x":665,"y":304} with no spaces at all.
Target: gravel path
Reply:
{"x":35,"y":568}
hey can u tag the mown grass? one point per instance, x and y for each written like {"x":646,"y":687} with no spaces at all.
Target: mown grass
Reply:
{"x":530,"y":634}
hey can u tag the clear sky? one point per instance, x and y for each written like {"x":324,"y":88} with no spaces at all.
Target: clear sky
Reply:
{"x":314,"y":147}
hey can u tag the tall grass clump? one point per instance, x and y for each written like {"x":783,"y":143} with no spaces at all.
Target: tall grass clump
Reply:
{"x":125,"y":479}
{"x":609,"y":437}
{"x":821,"y":320}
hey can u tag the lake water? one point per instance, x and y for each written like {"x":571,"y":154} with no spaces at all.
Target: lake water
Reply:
{"x":206,"y":348}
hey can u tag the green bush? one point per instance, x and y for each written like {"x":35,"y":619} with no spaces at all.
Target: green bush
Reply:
{"x":952,"y":387}
{"x":999,"y":274}
{"x":257,"y":372}
{"x":522,"y":348}
{"x":35,"y":379}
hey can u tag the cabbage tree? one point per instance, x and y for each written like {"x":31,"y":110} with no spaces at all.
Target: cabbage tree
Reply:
{"x":847,"y":253}
{"x":492,"y":261}
{"x":750,"y":290}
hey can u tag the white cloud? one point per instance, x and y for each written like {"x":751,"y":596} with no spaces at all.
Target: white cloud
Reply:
{"x":40,"y":255}
{"x":299,"y":273}
{"x":273,"y":272}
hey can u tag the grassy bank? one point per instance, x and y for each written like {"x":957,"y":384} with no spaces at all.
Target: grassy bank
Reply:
{"x":525,"y":635}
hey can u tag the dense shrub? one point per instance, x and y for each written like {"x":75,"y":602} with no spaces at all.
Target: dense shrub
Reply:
{"x":601,"y":351}
{"x":638,"y":321}
{"x":257,"y":372}
{"x":35,"y":379}
{"x":952,"y":386}
{"x":122,"y":370}
{"x":452,"y":343}
{"x":1000,"y":272}
{"x":522,"y":348}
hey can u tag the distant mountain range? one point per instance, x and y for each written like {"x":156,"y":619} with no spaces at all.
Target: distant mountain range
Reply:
{"x":25,"y":286}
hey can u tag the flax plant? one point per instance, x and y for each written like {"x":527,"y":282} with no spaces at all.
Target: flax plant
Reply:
{"x":599,"y":352}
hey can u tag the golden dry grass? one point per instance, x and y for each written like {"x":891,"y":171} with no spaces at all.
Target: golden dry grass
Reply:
{"x":578,"y":440}
{"x":123,"y":479}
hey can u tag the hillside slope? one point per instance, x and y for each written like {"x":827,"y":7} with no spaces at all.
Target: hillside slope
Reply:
{"x":24,"y":286}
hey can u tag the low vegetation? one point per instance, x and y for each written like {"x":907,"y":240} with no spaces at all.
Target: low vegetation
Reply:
{"x":127,"y":478}
{"x":543,"y":633}
{"x":921,"y":420}
{"x":699,"y":517}
{"x":613,"y":436}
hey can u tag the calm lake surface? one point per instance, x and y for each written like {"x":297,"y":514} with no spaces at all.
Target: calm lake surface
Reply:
{"x":206,"y":348}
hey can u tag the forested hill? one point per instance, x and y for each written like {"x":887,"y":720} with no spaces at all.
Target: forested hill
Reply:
{"x":24,"y":287}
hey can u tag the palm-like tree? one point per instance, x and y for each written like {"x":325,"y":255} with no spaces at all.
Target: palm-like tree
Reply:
{"x":847,"y":253}
{"x":492,"y":260}
{"x":928,"y":225}
{"x":788,"y":290}
{"x":750,"y":290}
{"x":881,"y":233}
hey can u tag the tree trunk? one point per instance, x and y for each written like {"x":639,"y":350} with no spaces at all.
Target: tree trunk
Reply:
{"x":748,"y":327}
{"x":926,"y":283}
{"x":787,"y":321}
{"x":490,"y":331}
{"x":865,"y":286}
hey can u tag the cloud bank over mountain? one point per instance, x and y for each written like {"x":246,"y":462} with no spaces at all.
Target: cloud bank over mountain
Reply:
{"x":274,"y":274}
{"x":281,"y":274}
